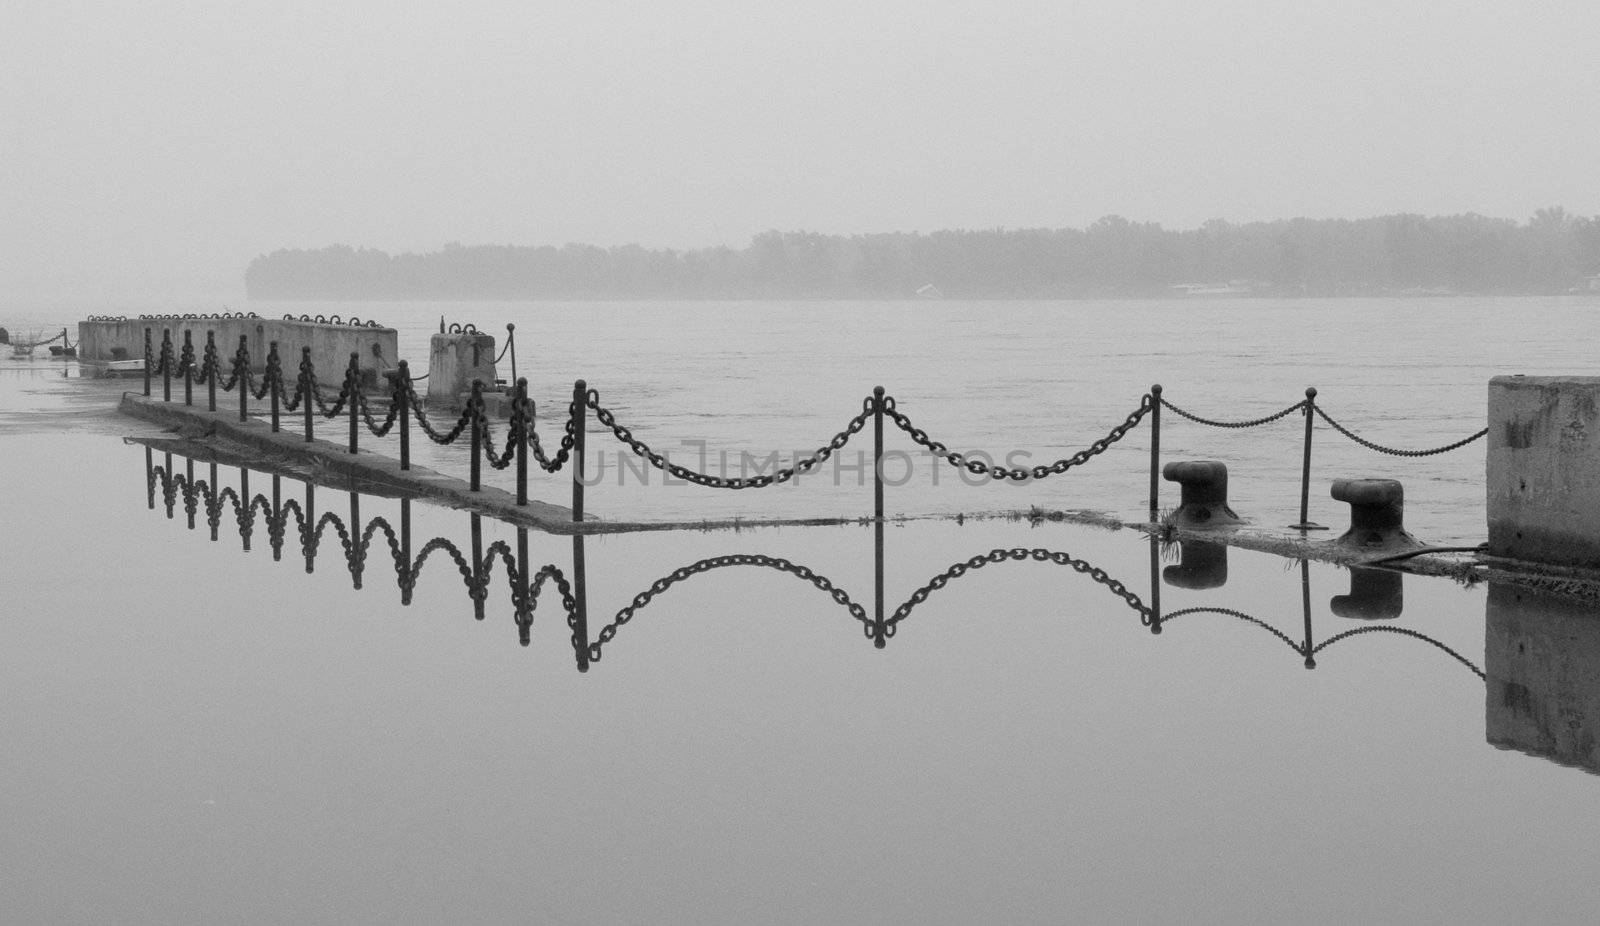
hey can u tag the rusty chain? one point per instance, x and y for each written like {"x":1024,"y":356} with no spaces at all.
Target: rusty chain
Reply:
{"x":1021,"y":473}
{"x":659,"y":461}
{"x":1392,"y":451}
{"x":1254,"y":422}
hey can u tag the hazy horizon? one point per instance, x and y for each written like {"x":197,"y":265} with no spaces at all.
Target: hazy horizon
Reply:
{"x":158,"y":148}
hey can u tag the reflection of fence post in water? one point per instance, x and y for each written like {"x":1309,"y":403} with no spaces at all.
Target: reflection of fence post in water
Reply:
{"x":1305,"y":605}
{"x":408,"y":577}
{"x":580,"y":602}
{"x":247,"y":510}
{"x":308,"y":529}
{"x":214,"y":505}
{"x":275,"y":527}
{"x":1155,"y":566}
{"x":476,"y":584}
{"x":356,"y":555}
{"x":190,"y":502}
{"x":150,"y":477}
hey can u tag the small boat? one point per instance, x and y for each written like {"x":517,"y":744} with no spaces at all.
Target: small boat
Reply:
{"x":112,"y":369}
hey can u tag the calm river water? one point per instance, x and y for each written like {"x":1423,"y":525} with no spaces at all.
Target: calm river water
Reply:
{"x":200,"y":728}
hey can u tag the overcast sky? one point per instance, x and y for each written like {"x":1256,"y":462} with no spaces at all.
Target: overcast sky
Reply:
{"x":157,"y":147}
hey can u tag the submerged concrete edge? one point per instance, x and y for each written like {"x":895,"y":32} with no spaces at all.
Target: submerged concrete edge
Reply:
{"x":370,"y":467}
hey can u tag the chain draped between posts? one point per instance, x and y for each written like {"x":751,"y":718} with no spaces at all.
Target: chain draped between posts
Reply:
{"x":381,"y":411}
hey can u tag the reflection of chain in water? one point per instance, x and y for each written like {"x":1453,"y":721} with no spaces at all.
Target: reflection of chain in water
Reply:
{"x":1308,"y":649}
{"x":476,"y":566}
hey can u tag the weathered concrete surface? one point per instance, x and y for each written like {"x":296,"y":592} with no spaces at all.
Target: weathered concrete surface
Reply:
{"x":331,"y":345}
{"x":1542,"y":659}
{"x":454,"y":361}
{"x":374,"y":468}
{"x":253,"y":444}
{"x":1544,"y":469}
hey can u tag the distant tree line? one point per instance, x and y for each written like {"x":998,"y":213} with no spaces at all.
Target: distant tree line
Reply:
{"x":1551,"y":253}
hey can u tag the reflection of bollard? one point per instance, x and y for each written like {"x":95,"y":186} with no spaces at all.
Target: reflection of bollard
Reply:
{"x":1204,"y":565}
{"x":1375,"y":595}
{"x":1204,"y":499}
{"x":1377,"y":509}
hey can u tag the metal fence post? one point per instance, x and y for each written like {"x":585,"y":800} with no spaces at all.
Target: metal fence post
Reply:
{"x":352,"y":385}
{"x":402,"y":394}
{"x":210,"y":369}
{"x":580,"y":406}
{"x":241,"y":376}
{"x":519,"y":434}
{"x":1305,"y":467}
{"x":274,"y":381}
{"x":147,"y":359}
{"x":166,"y":364}
{"x":475,"y":412}
{"x":1155,"y":449}
{"x":511,"y":348}
{"x":307,"y":388}
{"x":186,"y":364}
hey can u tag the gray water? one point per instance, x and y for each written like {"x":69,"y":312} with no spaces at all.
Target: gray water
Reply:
{"x":196,"y":733}
{"x":709,"y":382}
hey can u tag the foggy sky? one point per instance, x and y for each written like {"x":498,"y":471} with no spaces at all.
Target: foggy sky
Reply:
{"x":155,"y":148}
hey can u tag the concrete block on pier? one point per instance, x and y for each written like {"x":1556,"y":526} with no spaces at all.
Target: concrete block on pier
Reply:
{"x":1544,"y":469}
{"x":455,"y":359}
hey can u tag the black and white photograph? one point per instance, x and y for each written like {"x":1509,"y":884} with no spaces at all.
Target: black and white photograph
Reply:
{"x":696,"y":462}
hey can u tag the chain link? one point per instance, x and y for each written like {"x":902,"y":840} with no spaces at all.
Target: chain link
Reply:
{"x":1255,"y":422}
{"x":1002,"y":554}
{"x":1021,"y":473}
{"x":659,"y":461}
{"x":1392,"y":451}
{"x":822,"y":582}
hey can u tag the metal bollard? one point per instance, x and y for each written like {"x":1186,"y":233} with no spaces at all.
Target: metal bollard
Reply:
{"x":1204,"y":565}
{"x":1204,"y":499}
{"x":1375,"y":595}
{"x":1377,"y":510}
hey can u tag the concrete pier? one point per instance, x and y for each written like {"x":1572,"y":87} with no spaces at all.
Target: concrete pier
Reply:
{"x":1544,"y":469}
{"x":1542,"y":662}
{"x":455,"y":359}
{"x":331,"y":345}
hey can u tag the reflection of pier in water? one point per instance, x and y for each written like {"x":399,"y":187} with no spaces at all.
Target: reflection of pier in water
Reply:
{"x":1203,"y":566}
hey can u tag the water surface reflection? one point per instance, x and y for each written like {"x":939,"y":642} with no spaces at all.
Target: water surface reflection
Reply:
{"x":1374,"y":594}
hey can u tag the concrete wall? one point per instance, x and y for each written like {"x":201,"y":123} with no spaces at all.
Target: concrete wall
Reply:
{"x":331,"y":345}
{"x":1544,"y":469}
{"x":455,"y":360}
{"x":1542,"y":659}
